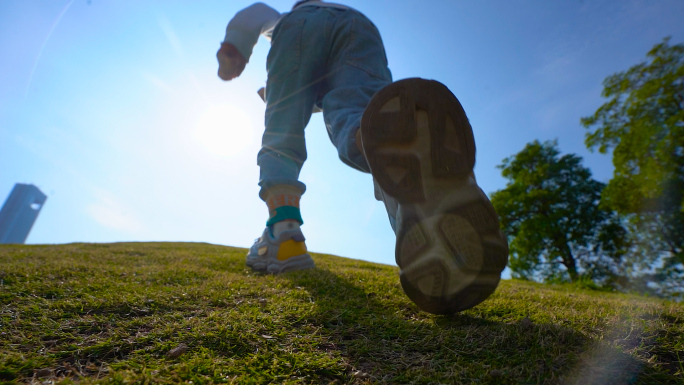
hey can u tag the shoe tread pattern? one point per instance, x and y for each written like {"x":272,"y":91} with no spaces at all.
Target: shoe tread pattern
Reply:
{"x":465,"y":240}
{"x":392,"y":127}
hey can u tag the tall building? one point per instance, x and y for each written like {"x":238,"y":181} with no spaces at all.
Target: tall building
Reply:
{"x":20,"y":212}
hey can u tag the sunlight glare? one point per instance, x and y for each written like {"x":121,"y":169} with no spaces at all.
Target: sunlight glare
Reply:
{"x":224,"y":130}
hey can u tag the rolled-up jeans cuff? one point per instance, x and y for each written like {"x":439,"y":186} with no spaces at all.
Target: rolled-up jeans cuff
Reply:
{"x":268,"y":183}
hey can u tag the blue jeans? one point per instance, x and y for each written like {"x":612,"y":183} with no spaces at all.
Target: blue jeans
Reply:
{"x":326,"y":58}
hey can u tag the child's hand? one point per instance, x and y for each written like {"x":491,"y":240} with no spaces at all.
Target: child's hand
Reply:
{"x":231,"y":62}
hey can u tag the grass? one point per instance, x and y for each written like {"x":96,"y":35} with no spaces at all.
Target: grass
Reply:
{"x":180,"y":312}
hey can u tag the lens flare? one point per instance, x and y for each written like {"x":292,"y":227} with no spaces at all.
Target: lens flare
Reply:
{"x":224,"y":130}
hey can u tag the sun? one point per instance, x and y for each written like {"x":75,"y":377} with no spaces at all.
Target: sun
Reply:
{"x":224,"y":130}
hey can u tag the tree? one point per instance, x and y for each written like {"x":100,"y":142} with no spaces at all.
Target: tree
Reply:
{"x":550,"y":212}
{"x":643,"y":124}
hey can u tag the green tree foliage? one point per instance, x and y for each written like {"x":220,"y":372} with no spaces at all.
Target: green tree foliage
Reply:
{"x":643,"y":124}
{"x":550,"y":212}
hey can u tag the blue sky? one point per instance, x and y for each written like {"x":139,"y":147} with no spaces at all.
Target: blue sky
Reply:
{"x":114,"y":109}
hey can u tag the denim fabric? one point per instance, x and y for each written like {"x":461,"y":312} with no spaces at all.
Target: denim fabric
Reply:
{"x":321,"y":57}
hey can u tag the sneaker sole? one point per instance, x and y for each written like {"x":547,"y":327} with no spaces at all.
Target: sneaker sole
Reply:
{"x":420,"y":148}
{"x":300,"y":262}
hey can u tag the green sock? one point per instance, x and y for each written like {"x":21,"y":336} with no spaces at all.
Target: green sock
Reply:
{"x":285,"y":212}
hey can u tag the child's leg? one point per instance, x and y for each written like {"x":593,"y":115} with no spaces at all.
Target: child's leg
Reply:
{"x":419,"y":146}
{"x":283,"y":208}
{"x":296,"y":55}
{"x":357,"y":72}
{"x":290,"y":97}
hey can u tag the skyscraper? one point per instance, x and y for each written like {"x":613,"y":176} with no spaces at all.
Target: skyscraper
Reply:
{"x":20,"y":212}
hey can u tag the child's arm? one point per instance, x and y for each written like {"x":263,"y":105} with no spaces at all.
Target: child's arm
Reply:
{"x":242,"y":34}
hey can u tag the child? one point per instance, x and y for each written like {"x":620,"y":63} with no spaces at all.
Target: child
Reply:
{"x":412,"y":136}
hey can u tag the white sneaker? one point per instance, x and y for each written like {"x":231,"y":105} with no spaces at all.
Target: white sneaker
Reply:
{"x":421,"y":152}
{"x":285,"y":253}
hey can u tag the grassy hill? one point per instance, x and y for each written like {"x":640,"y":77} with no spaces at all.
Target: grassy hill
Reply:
{"x":179,"y":312}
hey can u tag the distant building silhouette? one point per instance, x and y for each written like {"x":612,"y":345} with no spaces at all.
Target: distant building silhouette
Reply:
{"x":20,"y":212}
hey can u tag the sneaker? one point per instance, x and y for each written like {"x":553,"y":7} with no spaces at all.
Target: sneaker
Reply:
{"x":279,"y":255}
{"x":421,"y":152}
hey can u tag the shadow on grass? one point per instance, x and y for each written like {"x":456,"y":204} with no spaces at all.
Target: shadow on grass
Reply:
{"x":385,"y":342}
{"x":394,"y":343}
